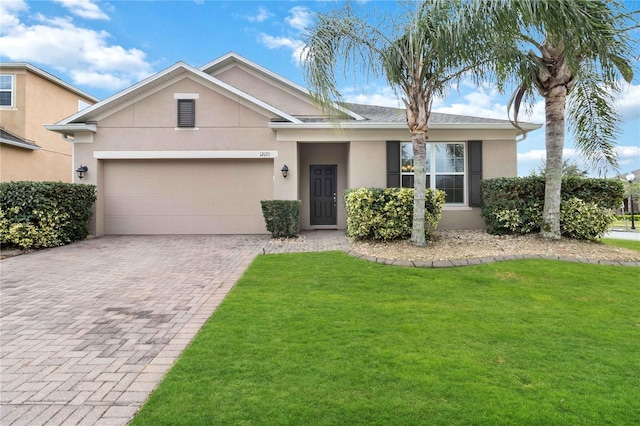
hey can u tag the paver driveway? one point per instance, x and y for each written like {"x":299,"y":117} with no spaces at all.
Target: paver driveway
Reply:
{"x":88,"y":330}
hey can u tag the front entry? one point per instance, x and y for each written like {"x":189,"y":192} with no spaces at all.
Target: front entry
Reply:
{"x":323,"y":194}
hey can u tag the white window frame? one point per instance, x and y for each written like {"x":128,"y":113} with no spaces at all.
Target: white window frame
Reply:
{"x":12,"y":91}
{"x":432,"y":173}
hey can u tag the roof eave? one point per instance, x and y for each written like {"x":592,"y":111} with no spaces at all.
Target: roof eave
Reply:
{"x":24,"y":145}
{"x":50,"y":77}
{"x":70,"y":129}
{"x":402,"y":126}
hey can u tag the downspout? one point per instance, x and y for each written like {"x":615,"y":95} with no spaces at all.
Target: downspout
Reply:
{"x":73,"y":155}
{"x":524,"y":137}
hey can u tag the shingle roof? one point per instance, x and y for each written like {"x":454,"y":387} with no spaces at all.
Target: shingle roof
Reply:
{"x":397,"y":115}
{"x":11,"y":139}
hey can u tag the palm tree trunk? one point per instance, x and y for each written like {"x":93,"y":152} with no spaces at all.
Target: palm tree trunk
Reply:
{"x":554,"y":115}
{"x":419,"y":141}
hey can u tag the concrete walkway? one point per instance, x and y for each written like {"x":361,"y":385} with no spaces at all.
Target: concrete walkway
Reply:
{"x":623,"y":235}
{"x":88,"y":330}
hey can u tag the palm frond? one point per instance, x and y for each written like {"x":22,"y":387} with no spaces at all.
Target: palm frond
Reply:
{"x":593,"y":120}
{"x":340,"y":38}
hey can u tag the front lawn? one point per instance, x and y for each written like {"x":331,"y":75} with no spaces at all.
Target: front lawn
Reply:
{"x":629,"y":244}
{"x":326,"y":339}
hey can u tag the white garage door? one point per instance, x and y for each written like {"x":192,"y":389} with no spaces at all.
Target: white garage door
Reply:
{"x":186,"y":196}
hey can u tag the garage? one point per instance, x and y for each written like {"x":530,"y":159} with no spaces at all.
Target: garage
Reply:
{"x":208,"y":196}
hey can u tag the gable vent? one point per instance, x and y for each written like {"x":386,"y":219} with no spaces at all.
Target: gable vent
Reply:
{"x":186,"y":112}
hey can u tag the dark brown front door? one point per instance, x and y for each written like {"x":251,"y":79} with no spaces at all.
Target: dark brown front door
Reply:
{"x":324,"y":199}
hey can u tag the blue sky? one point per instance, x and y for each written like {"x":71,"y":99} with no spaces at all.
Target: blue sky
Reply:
{"x":103,"y":47}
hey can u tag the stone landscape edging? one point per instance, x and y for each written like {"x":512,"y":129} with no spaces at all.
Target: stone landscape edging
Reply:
{"x":481,"y":260}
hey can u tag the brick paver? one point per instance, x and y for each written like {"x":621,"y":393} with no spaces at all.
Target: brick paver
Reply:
{"x":88,"y":330}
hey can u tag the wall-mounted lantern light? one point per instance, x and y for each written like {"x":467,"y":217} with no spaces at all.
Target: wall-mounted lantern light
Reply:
{"x":285,"y":171}
{"x":80,"y":171}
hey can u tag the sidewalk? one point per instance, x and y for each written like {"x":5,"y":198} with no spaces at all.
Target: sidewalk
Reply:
{"x":623,"y":235}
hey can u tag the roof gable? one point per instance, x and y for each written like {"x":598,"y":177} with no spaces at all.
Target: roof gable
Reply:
{"x":232,"y":58}
{"x":220,"y":66}
{"x":149,"y":84}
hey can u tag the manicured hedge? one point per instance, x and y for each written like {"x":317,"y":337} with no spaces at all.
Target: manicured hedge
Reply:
{"x":628,"y":216}
{"x":44,"y":214}
{"x":387,"y":214}
{"x":282,"y":217}
{"x":514,"y":205}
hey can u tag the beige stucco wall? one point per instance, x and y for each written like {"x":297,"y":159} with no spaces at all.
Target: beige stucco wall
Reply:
{"x":267,"y":90}
{"x":38,"y":101}
{"x":366,"y":161}
{"x":13,"y":118}
{"x":223,"y":122}
{"x":368,"y":164}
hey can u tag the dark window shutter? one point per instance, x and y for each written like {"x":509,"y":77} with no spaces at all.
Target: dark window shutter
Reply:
{"x":393,"y":164}
{"x":186,"y":112}
{"x":475,"y":173}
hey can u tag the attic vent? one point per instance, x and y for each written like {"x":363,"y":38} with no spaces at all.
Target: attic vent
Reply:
{"x":186,"y":112}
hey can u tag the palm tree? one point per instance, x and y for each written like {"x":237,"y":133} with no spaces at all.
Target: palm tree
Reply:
{"x":413,"y":54}
{"x":570,"y":52}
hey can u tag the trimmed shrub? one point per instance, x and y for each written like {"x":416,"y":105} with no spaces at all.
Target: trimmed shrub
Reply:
{"x":44,"y":214}
{"x":514,"y":205}
{"x":282,"y":217}
{"x":584,"y":221}
{"x":387,"y":214}
{"x":627,"y":216}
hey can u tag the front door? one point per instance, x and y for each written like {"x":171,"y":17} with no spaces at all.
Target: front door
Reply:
{"x":323,"y":196}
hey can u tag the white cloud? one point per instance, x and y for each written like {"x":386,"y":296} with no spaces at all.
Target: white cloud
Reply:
{"x":272,"y":42}
{"x":628,"y":102}
{"x":372,"y":95}
{"x":628,"y":157}
{"x":296,"y":46}
{"x":488,"y":103}
{"x":485,"y":101}
{"x":262,"y":15}
{"x":96,"y":79}
{"x":84,"y":9}
{"x":9,"y":11}
{"x":299,"y":18}
{"x":533,"y":155}
{"x":83,"y":53}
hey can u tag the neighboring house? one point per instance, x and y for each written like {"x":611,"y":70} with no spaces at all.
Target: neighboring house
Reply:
{"x":30,"y":98}
{"x":194,"y":150}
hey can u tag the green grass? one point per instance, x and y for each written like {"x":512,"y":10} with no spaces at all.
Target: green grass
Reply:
{"x":326,"y":339}
{"x":629,"y":244}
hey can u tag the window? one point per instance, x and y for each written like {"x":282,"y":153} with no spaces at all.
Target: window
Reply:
{"x":186,"y":112}
{"x":445,"y":169}
{"x":6,"y":90}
